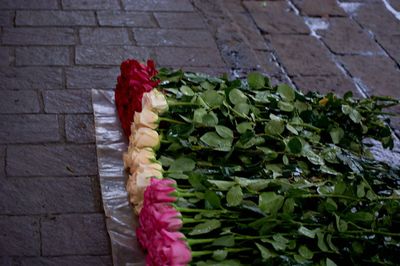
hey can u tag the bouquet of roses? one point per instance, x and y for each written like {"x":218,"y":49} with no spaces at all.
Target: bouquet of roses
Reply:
{"x":239,"y":172}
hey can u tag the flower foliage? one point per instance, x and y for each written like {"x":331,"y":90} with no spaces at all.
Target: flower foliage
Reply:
{"x":135,"y":79}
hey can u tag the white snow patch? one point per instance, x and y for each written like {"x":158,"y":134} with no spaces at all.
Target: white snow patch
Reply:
{"x":349,"y":8}
{"x":391,"y":9}
{"x":315,"y":24}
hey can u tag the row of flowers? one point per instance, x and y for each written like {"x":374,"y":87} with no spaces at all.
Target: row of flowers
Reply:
{"x":150,"y":194}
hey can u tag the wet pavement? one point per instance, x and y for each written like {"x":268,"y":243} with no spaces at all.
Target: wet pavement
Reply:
{"x":52,"y":52}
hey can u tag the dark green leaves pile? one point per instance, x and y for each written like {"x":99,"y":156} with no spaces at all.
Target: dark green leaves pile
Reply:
{"x":268,"y":175}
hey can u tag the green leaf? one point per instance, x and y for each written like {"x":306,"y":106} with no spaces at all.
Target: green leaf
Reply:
{"x":198,"y":115}
{"x":270,"y":202}
{"x":295,"y":145}
{"x":244,"y":126}
{"x":360,"y":216}
{"x":286,"y":92}
{"x":292,"y":129}
{"x":341,"y":224}
{"x":219,"y":254}
{"x":242,"y":108}
{"x":321,"y":242}
{"x":237,"y":96}
{"x":187,"y":91}
{"x":224,"y":241}
{"x":212,"y":98}
{"x":327,"y":170}
{"x":224,"y":132}
{"x":275,"y":127}
{"x":269,"y":154}
{"x":165,"y":161}
{"x":256,"y":80}
{"x":212,"y":200}
{"x":207,"y":85}
{"x":313,"y":157}
{"x":222,"y":184}
{"x":288,"y":206}
{"x":280,"y":242}
{"x":354,"y":115}
{"x":205,"y":227}
{"x":266,"y":254}
{"x":330,"y":262}
{"x":337,"y":134}
{"x":307,"y":232}
{"x":213,"y":140}
{"x":182,"y":164}
{"x":305,"y":252}
{"x":234,"y":196}
{"x":210,"y":119}
{"x":285,"y":106}
{"x":360,"y":190}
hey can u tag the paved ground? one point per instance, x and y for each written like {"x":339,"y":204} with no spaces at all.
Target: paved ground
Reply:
{"x":54,"y":51}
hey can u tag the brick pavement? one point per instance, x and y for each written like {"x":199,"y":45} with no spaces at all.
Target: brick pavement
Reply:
{"x":52,"y":52}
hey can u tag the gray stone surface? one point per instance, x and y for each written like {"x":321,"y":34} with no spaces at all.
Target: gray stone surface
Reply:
{"x":51,"y":160}
{"x":71,"y":101}
{"x":38,"y":36}
{"x":156,"y":5}
{"x":91,"y":77}
{"x":55,"y":18}
{"x":108,"y":55}
{"x":68,"y":261}
{"x":35,"y":196}
{"x":90,"y":4}
{"x":19,"y":236}
{"x":16,"y":102}
{"x":126,"y":18}
{"x":179,"y":20}
{"x":36,"y":128}
{"x":320,"y":8}
{"x":178,"y":57}
{"x":80,"y":128}
{"x":27,"y":78}
{"x":75,"y":234}
{"x":104,"y":36}
{"x":42,"y":55}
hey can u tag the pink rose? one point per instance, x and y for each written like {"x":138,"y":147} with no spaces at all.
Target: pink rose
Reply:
{"x":159,"y":190}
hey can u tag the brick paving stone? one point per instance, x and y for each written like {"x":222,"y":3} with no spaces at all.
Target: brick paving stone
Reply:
{"x":2,"y":163}
{"x":28,"y":128}
{"x":250,"y":31}
{"x":180,"y":38}
{"x":6,"y":18}
{"x":344,"y":36}
{"x":207,"y":70}
{"x":34,"y":196}
{"x":180,"y":57}
{"x":156,"y":5}
{"x":5,"y":56}
{"x":391,"y":44}
{"x":275,"y":17}
{"x":126,"y":18}
{"x":90,"y":4}
{"x":233,"y":5}
{"x":16,"y":102}
{"x":19,"y":236}
{"x":38,"y":36}
{"x":268,"y":64}
{"x":7,"y":261}
{"x":101,"y":36}
{"x":378,"y":73}
{"x":395,"y":4}
{"x":55,"y":18}
{"x":374,"y":15}
{"x":31,"y":4}
{"x":68,"y":261}
{"x":108,"y":55}
{"x":74,"y":235}
{"x":67,"y":101}
{"x":43,"y":55}
{"x":303,"y":55}
{"x":325,"y":84}
{"x":80,"y":128}
{"x":321,"y":8}
{"x":179,"y":20}
{"x":53,"y":160}
{"x":92,"y":78}
{"x":26,"y":78}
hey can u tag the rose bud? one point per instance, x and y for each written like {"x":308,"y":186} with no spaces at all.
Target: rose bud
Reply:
{"x":146,"y":118}
{"x":134,"y":157}
{"x":145,"y":138}
{"x":155,"y":100}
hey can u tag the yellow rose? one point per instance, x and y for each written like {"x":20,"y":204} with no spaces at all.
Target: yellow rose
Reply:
{"x":145,"y":138}
{"x":155,"y":101}
{"x":146,"y":118}
{"x":135,"y":156}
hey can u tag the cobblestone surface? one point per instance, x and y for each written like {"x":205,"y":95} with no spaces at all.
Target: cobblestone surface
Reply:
{"x":52,"y":52}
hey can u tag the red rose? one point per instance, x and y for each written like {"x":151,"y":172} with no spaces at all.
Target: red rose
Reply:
{"x":135,"y":79}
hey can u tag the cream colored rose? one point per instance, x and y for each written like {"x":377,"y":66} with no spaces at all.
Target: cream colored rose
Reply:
{"x":145,"y":138}
{"x":146,"y":118}
{"x":155,"y":100}
{"x":134,"y":157}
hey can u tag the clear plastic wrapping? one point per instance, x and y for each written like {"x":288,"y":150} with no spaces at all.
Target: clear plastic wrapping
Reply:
{"x":120,"y":218}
